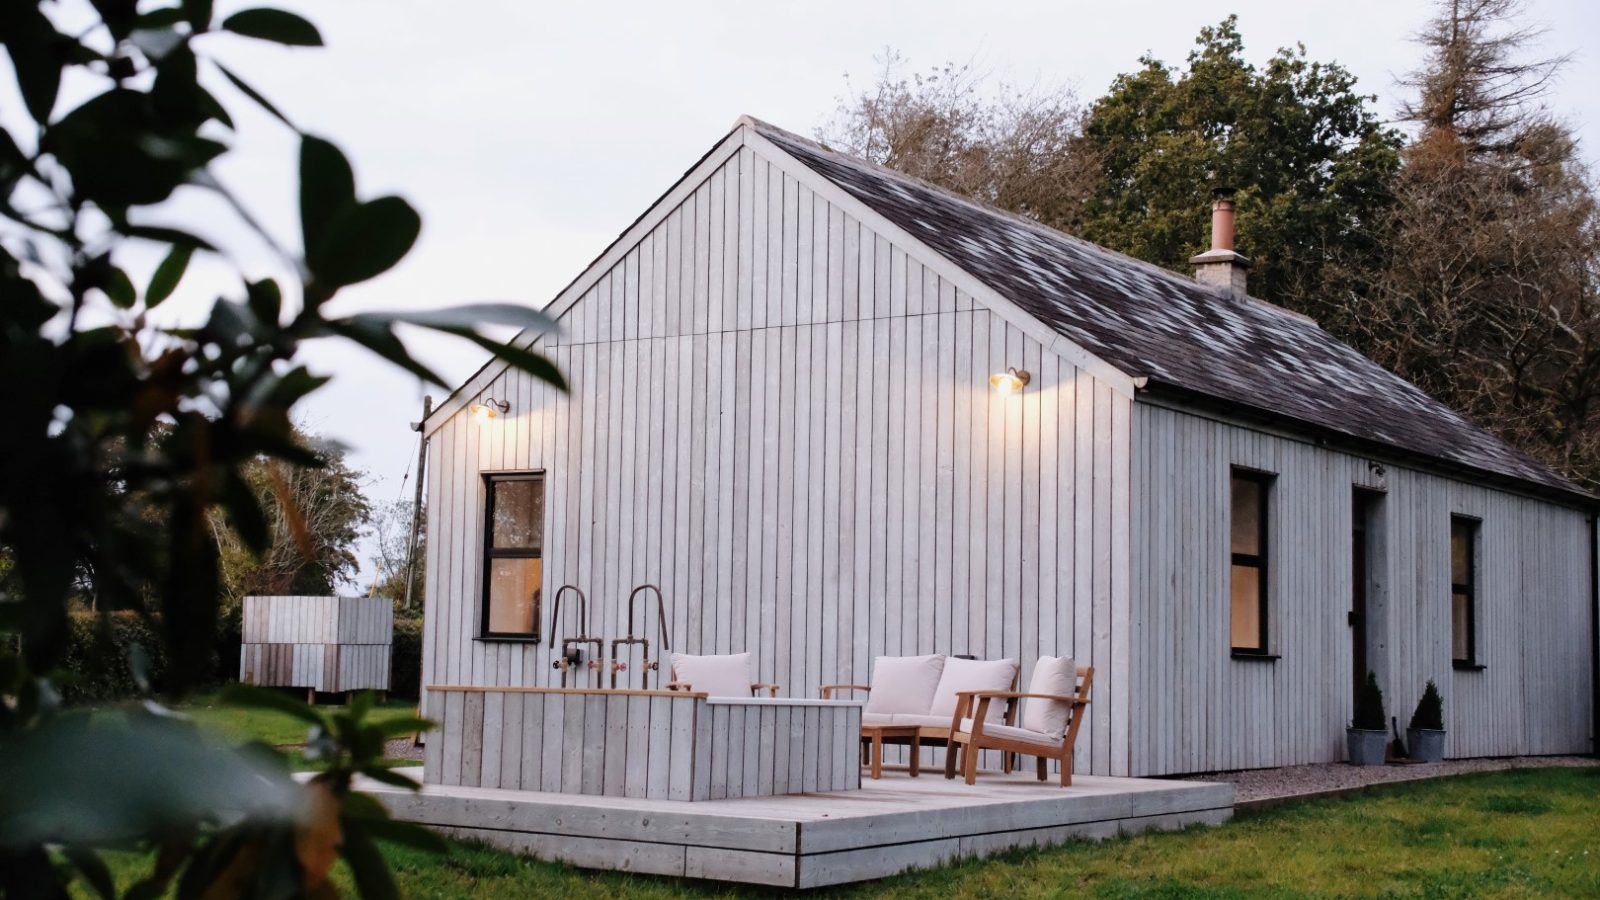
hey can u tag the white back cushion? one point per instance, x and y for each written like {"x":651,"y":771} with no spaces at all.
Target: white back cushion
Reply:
{"x":719,"y":676}
{"x":1051,"y":675}
{"x":973,"y":675}
{"x":904,"y":684}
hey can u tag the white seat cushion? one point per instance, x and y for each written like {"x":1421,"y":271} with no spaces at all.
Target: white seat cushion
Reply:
{"x":1012,"y":733}
{"x":973,"y":675}
{"x":1051,"y":675}
{"x":720,"y":676}
{"x":920,"y":721}
{"x":877,"y":718}
{"x":904,"y":684}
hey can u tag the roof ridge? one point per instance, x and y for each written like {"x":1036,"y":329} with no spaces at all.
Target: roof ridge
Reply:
{"x":1316,"y":379}
{"x":1176,"y":278}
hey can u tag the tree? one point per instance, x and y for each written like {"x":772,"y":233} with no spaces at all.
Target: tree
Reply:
{"x":1307,"y":157}
{"x":391,"y":533}
{"x":1489,"y":297}
{"x":1475,"y":83}
{"x":314,"y":517}
{"x":1012,"y":148}
{"x":113,"y":413}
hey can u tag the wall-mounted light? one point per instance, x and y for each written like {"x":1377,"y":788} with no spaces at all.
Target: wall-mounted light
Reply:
{"x":488,"y":409}
{"x":1011,"y":381}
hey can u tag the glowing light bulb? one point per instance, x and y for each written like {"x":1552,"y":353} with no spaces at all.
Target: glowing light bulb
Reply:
{"x":1011,"y":381}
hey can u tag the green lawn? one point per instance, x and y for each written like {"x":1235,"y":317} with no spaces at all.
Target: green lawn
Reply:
{"x":1532,"y":832}
{"x":1522,"y":833}
{"x":238,"y":724}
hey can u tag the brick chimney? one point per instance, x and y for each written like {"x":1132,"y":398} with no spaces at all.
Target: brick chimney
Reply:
{"x":1222,"y":267}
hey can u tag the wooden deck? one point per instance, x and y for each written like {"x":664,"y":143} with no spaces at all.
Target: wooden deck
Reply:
{"x":811,"y":840}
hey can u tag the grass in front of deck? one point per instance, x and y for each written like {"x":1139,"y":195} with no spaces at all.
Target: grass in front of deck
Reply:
{"x":237,"y":724}
{"x":1529,"y":832}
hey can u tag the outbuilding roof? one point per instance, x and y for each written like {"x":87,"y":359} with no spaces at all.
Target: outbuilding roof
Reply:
{"x":1184,"y":338}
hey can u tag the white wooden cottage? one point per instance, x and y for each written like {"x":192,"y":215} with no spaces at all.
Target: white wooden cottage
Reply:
{"x":782,"y":412}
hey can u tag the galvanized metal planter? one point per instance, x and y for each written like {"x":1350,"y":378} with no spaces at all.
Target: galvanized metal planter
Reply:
{"x":1366,"y":747}
{"x":1425,"y":744}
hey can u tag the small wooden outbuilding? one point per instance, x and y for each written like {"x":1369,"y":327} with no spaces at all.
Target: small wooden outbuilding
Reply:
{"x":329,"y":644}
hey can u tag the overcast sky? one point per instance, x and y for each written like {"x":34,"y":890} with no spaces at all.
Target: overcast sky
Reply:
{"x":530,"y":134}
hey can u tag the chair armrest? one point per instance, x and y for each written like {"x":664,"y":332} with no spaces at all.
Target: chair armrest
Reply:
{"x":979,"y":716}
{"x":771,"y":689}
{"x":828,"y":690}
{"x":677,"y":686}
{"x":1020,"y":695}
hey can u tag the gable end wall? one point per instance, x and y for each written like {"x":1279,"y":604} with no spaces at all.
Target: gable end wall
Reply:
{"x":783,"y":418}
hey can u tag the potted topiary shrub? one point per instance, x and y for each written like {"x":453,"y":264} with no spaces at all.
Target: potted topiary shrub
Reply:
{"x":1425,"y":734}
{"x":1368,"y":734}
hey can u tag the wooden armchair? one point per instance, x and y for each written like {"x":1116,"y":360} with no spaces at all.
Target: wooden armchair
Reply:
{"x":1052,"y":710}
{"x":727,"y":675}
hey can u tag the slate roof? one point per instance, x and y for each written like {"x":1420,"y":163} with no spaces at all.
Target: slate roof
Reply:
{"x":1180,"y":335}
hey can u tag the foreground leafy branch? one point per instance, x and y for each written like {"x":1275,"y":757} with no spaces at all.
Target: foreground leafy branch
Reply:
{"x":129,"y":436}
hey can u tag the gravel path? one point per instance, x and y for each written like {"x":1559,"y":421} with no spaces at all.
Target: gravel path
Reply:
{"x":401,"y":748}
{"x":1295,"y":781}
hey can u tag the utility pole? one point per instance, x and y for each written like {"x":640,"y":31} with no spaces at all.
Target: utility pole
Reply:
{"x":416,"y":504}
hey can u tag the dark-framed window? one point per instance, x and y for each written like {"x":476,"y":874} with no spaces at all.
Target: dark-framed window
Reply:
{"x":513,"y":551}
{"x":1464,"y":591}
{"x":1247,"y":538}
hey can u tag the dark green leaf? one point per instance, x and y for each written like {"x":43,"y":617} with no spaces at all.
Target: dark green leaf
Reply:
{"x":265,"y":300}
{"x":518,"y":358}
{"x":176,"y":97}
{"x":213,"y":109}
{"x":360,"y":705}
{"x":166,"y":235}
{"x":389,"y":776}
{"x":32,"y":42}
{"x":245,"y":513}
{"x":253,"y":94}
{"x":357,"y":805}
{"x":13,"y":163}
{"x":470,"y":315}
{"x":287,"y":390}
{"x":198,"y":12}
{"x":167,"y":276}
{"x":327,"y":183}
{"x":401,"y":725}
{"x":363,"y":240}
{"x":249,"y":695}
{"x":406,"y":834}
{"x":119,"y":156}
{"x":380,"y":339}
{"x":93,"y":869}
{"x":230,"y":323}
{"x":62,"y":786}
{"x":119,"y":16}
{"x":161,"y":17}
{"x":273,"y":25}
{"x":120,"y":288}
{"x":372,"y":876}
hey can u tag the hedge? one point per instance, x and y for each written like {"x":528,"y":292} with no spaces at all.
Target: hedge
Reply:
{"x":405,"y":658}
{"x":98,"y":648}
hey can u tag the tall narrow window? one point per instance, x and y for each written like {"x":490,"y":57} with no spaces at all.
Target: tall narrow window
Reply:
{"x":513,"y":544}
{"x":1248,"y":537}
{"x":1463,"y":590}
